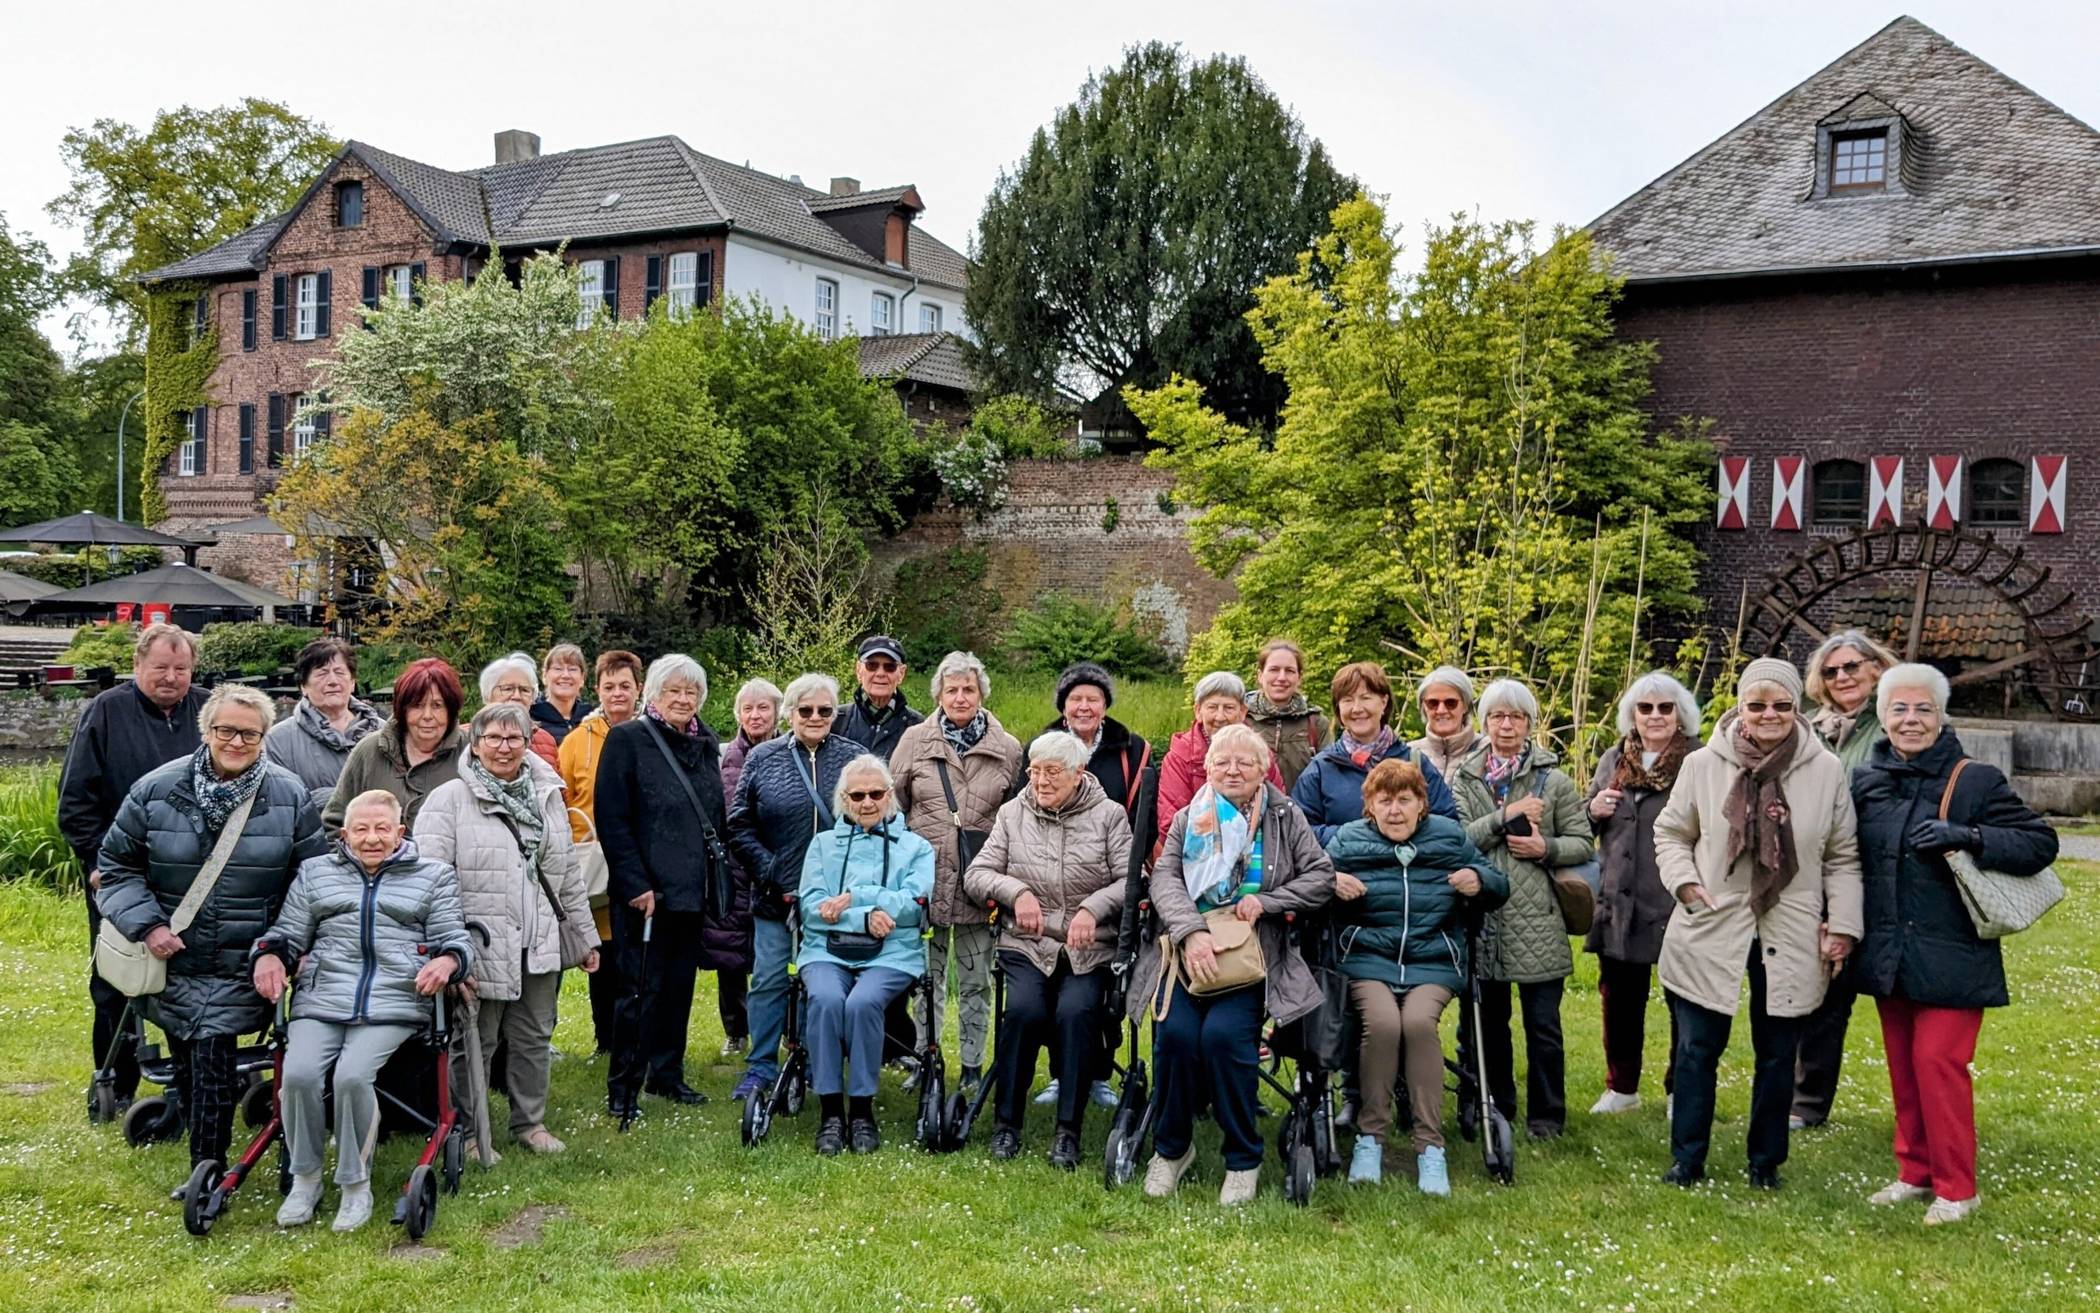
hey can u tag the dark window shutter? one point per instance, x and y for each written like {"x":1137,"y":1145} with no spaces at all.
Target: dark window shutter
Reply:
{"x":371,"y":290}
{"x":415,"y":283}
{"x":321,"y":296}
{"x":200,"y":435}
{"x":324,"y":422}
{"x":652,"y":282}
{"x":277,"y":307}
{"x":248,"y":320}
{"x":612,"y":287}
{"x":704,"y":275}
{"x":247,"y":437}
{"x":275,"y":456}
{"x":201,"y":310}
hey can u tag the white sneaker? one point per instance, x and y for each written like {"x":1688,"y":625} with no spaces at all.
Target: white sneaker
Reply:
{"x":1104,"y":1095}
{"x":1162,"y":1175}
{"x":1944,"y":1211}
{"x":1612,"y":1101}
{"x":356,"y":1208}
{"x":1239,"y":1188}
{"x":298,"y":1206}
{"x":1899,"y":1192}
{"x":1048,"y":1096}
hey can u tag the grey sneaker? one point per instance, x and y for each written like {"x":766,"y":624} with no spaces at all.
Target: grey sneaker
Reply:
{"x":298,"y":1207}
{"x":1239,"y":1188}
{"x":1162,"y":1175}
{"x":356,"y":1208}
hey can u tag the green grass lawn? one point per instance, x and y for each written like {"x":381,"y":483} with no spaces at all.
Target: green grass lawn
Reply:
{"x":678,"y":1215}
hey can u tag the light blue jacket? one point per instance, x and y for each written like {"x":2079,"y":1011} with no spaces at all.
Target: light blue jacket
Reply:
{"x":889,"y":868}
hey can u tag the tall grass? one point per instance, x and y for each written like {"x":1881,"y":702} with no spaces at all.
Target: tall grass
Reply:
{"x":31,"y":847}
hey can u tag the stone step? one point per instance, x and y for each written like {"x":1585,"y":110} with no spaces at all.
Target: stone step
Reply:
{"x":2058,"y":793}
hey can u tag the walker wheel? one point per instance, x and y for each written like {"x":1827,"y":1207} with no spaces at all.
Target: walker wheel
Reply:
{"x":257,"y":1104}
{"x":455,"y":1159}
{"x":201,"y":1201}
{"x":758,"y":1117}
{"x":152,"y":1120}
{"x":797,"y":1092}
{"x":102,"y":1105}
{"x":1299,"y":1175}
{"x":1120,"y":1155}
{"x":422,"y":1202}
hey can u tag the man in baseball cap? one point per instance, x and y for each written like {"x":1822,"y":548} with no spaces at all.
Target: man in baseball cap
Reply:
{"x":878,"y":716}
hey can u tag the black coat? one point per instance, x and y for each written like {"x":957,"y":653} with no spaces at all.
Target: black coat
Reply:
{"x":1633,"y":905}
{"x":773,"y":817}
{"x":1920,"y":944}
{"x":121,"y":738}
{"x":654,"y":841}
{"x":879,"y":735}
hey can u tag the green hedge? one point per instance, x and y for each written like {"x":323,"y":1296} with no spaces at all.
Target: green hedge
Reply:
{"x":89,"y":565}
{"x":101,"y":645}
{"x":250,"y":647}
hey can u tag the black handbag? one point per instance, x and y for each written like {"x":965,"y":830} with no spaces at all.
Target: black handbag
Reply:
{"x":968,"y":843}
{"x":856,"y":946}
{"x":1325,"y":1030}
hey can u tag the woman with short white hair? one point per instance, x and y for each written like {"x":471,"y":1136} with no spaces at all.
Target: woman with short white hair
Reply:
{"x":514,"y":678}
{"x":1220,"y":699}
{"x":863,"y":881}
{"x":1658,"y":729}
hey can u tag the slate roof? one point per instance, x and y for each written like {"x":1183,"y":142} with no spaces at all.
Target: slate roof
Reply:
{"x":661,"y":185}
{"x":1991,"y":170}
{"x":935,"y":359}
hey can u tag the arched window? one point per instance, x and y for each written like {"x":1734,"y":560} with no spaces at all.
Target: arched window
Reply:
{"x":1998,"y":494}
{"x":1840,"y":493}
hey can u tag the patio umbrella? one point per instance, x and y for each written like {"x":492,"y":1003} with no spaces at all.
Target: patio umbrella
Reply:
{"x":87,"y":529}
{"x":316,"y":527}
{"x":172,"y":585}
{"x":21,"y":588}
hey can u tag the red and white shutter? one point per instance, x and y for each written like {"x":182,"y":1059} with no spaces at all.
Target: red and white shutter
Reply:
{"x":1943,"y":491}
{"x":1884,"y":491}
{"x":1786,"y":491}
{"x":1734,"y":510}
{"x":2045,"y":498}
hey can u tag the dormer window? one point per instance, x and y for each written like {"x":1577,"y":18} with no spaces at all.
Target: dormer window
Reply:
{"x":1859,"y":161}
{"x":1865,"y":148}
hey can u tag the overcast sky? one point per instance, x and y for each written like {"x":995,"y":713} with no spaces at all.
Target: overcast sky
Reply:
{"x":1550,"y":111}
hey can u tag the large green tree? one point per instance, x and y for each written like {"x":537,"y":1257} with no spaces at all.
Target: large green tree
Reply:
{"x":1127,"y":244}
{"x":1463,"y":473}
{"x":38,"y":476}
{"x":189,"y":180}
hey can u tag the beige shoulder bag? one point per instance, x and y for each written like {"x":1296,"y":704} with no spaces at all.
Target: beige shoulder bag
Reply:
{"x":125,"y":963}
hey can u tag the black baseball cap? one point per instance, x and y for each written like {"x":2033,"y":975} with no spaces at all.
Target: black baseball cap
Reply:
{"x":882,"y":645}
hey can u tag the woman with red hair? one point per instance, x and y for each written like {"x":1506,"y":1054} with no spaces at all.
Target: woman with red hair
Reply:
{"x":414,"y":752}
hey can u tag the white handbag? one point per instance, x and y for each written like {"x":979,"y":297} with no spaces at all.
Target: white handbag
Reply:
{"x":1998,"y":904}
{"x":125,"y":963}
{"x":590,"y":859}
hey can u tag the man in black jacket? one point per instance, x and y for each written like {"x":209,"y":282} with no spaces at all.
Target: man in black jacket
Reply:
{"x":122,"y":736}
{"x":878,"y":716}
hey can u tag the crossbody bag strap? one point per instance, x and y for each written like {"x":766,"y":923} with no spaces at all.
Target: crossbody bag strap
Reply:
{"x":940,"y":765}
{"x":1947,"y":794}
{"x":221,"y":853}
{"x":678,"y":773}
{"x":539,"y":870}
{"x":809,"y":784}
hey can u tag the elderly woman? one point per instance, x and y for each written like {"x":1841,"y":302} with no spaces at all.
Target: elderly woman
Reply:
{"x":1220,"y":699}
{"x":619,"y":684}
{"x":863,"y":881}
{"x":1116,"y":757}
{"x":1930,"y":973}
{"x":757,"y":711}
{"x":1529,"y":819}
{"x":415,"y":753}
{"x":344,"y":1019}
{"x":1759,"y":846}
{"x":953,"y":770}
{"x":1330,"y":792}
{"x":1406,"y":881}
{"x":1658,"y":729}
{"x":661,"y":820}
{"x":1277,"y":708}
{"x":1446,"y":698}
{"x":225,"y":815}
{"x":1238,"y":850}
{"x":562,"y":707}
{"x":1841,"y":679}
{"x":505,"y":830}
{"x":782,"y":801}
{"x":1056,"y":858}
{"x":512,"y":679}
{"x":329,"y":721}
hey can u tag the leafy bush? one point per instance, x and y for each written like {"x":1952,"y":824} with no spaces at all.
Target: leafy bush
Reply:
{"x":972,"y":463}
{"x":250,"y":647}
{"x":89,"y":565}
{"x":940,"y":604}
{"x":31,"y":847}
{"x":1063,"y":629}
{"x":101,"y":645}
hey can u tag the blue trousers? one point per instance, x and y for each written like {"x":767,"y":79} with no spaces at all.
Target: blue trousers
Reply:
{"x":767,"y":1001}
{"x":846,"y":1011}
{"x":1205,"y":1052}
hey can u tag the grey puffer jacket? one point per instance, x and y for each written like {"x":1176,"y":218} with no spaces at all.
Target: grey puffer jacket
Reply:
{"x":1525,"y":941}
{"x":365,"y":937}
{"x":1075,"y":857}
{"x":308,"y":746}
{"x":154,"y":852}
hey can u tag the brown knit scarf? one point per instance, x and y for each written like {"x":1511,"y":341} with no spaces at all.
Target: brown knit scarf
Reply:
{"x":1630,"y":776}
{"x":1759,"y":821}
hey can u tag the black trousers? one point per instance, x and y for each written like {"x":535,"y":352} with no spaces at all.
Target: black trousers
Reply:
{"x":1622,"y":989}
{"x":649,"y":1036}
{"x":608,"y":987}
{"x":732,"y":989}
{"x":1038,"y":1008}
{"x":1702,"y":1037}
{"x":1545,"y":1051}
{"x":1823,"y":1050}
{"x":204,"y":1073}
{"x":109,"y":1013}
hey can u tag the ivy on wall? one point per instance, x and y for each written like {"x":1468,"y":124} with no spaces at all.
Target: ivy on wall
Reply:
{"x":177,"y":369}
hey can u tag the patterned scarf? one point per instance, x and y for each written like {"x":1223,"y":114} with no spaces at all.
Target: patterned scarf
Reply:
{"x":1218,"y":836}
{"x":217,"y":797}
{"x":1835,"y":727}
{"x":1759,"y":821}
{"x":962,"y":738}
{"x":1501,"y":772}
{"x":1260,"y":708}
{"x":1361,"y":752}
{"x":1630,"y":775}
{"x":692,"y":727}
{"x":515,"y":797}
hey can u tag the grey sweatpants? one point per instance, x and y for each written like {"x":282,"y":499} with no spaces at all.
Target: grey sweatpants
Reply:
{"x":972,"y":942}
{"x":357,"y":1052}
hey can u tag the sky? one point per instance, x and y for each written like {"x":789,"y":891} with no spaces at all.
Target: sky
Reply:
{"x":1546,"y":111}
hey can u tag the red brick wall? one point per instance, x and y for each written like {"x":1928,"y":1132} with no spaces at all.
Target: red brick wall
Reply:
{"x":634,"y":264}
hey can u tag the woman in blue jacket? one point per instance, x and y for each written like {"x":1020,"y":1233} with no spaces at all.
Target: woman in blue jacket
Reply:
{"x":1405,"y":882}
{"x":1330,"y":790}
{"x":863,"y":884}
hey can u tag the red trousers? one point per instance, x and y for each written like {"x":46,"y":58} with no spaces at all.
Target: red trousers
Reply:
{"x":1929,"y":1050}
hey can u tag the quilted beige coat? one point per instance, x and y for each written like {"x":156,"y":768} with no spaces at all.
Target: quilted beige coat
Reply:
{"x":1075,"y":857}
{"x":982,"y":778}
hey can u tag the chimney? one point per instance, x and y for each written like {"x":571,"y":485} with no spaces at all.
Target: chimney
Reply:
{"x":516,"y":144}
{"x":845,"y":186}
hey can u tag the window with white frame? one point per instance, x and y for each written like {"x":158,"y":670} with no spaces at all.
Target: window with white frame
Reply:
{"x":307,"y":300}
{"x":685,"y":281}
{"x":882,"y":315}
{"x":929,"y":319}
{"x":827,"y":309}
{"x":590,"y":291}
{"x":302,"y":423}
{"x":192,"y":455}
{"x":401,"y":280}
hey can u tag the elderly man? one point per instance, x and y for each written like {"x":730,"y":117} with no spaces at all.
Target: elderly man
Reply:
{"x":878,"y":716}
{"x":124,"y":734}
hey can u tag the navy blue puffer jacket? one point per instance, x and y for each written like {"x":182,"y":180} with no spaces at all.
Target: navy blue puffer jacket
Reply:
{"x":773,"y":815}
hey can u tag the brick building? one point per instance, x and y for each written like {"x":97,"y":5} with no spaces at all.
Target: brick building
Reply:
{"x":645,"y":220}
{"x":1884,"y":290}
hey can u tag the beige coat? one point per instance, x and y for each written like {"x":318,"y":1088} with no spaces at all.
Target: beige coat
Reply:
{"x":1077,"y":857}
{"x":1705,"y":953}
{"x":982,"y":779}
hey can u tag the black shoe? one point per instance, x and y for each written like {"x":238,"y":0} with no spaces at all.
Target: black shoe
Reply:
{"x":1006,"y":1143}
{"x":1684,"y":1175}
{"x":679,"y":1093}
{"x":831,"y":1136}
{"x":1764,"y":1178}
{"x":623,"y":1109}
{"x":1064,"y":1150}
{"x":866,"y":1139}
{"x":1545,"y":1130}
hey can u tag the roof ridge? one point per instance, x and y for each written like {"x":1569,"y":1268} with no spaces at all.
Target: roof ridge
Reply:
{"x":714,"y":202}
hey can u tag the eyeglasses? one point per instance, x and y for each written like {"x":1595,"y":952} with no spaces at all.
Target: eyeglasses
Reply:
{"x":1653,"y":708}
{"x":1901,"y":710}
{"x":513,"y":690}
{"x":503,"y":740}
{"x":816,"y":713}
{"x":1046,"y":771}
{"x":1442,"y":704}
{"x":1774,"y":708}
{"x":1507,"y":715}
{"x":867,"y":795}
{"x":228,"y":734}
{"x":879,"y":666}
{"x":1846,"y":668}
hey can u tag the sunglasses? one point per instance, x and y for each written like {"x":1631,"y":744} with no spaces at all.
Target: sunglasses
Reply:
{"x":878,"y":666}
{"x":1776,"y":708}
{"x":1845,"y":668}
{"x":816,"y":713}
{"x":867,"y":795}
{"x":1654,"y":708}
{"x":1442,"y":704}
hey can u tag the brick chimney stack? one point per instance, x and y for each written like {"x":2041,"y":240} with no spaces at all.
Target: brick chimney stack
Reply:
{"x":845,"y":186}
{"x":516,"y":144}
